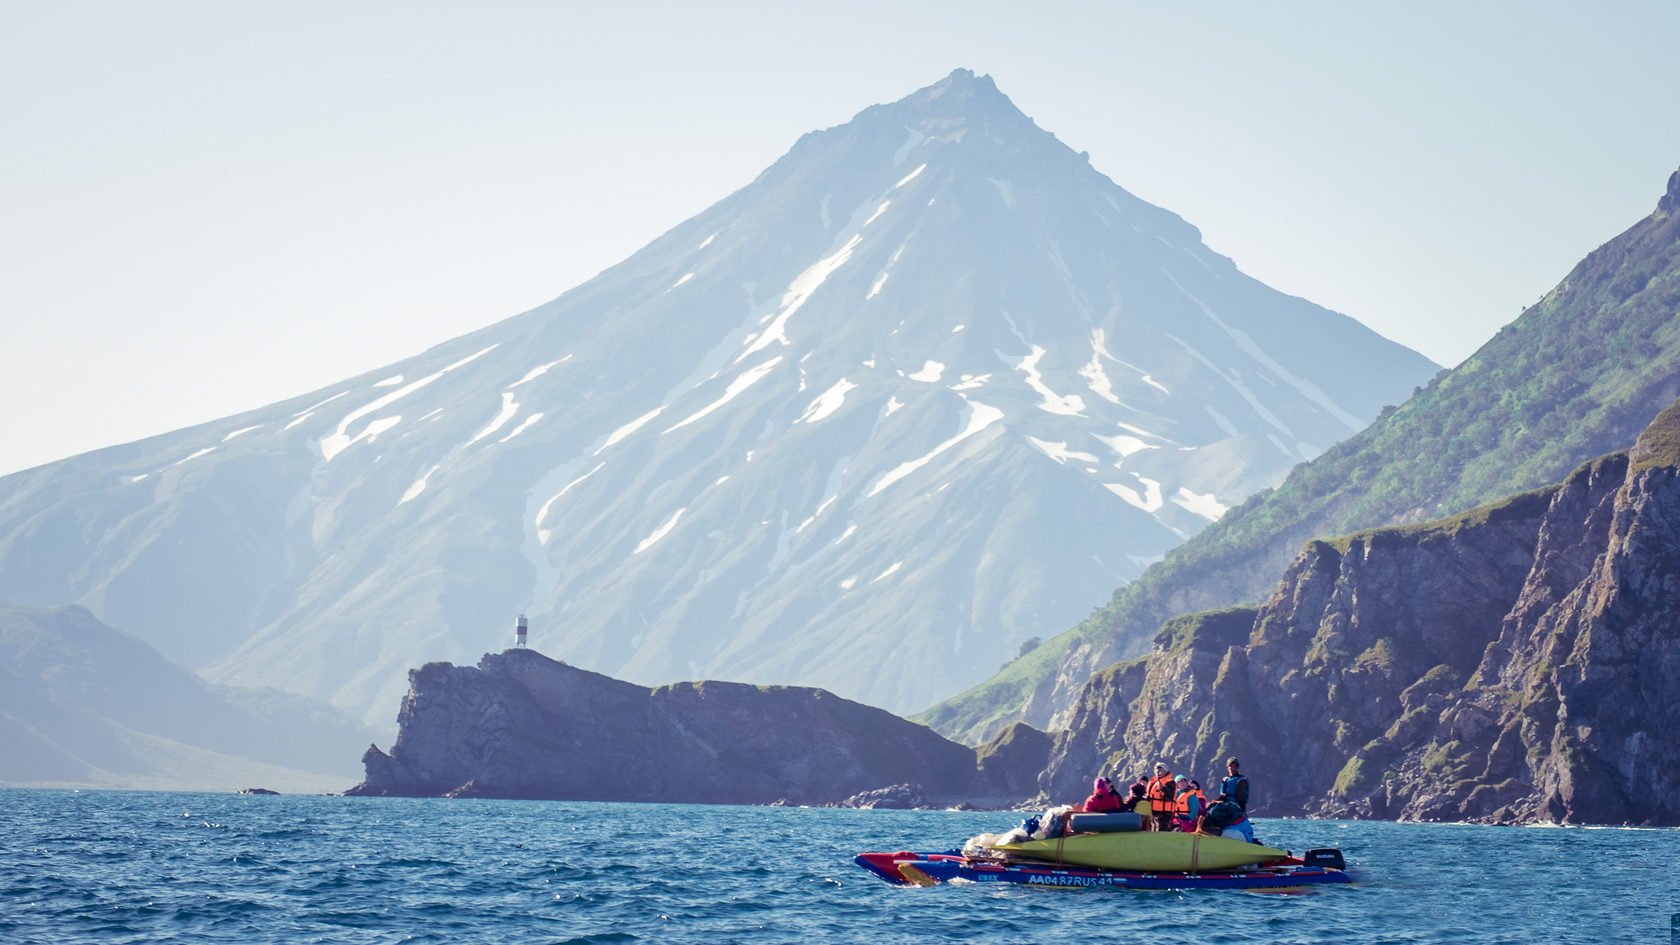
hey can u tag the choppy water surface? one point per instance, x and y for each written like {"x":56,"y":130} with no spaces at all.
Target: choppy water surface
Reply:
{"x":114,"y":867}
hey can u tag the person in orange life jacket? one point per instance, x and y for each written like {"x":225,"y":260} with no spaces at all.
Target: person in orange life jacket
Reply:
{"x":1235,"y":786}
{"x":1103,"y":800}
{"x":1188,"y":809}
{"x":1161,"y":791}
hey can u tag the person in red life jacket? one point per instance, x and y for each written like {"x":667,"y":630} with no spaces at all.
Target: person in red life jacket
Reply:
{"x":1190,"y":803}
{"x":1161,"y":793}
{"x":1103,"y":800}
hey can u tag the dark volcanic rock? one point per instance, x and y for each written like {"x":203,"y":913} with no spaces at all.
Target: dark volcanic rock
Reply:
{"x":892,"y":797}
{"x":523,"y":725}
{"x":1013,"y":760}
{"x":1520,"y":662}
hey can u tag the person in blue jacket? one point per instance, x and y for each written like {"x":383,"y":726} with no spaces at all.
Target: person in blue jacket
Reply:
{"x":1235,"y":785}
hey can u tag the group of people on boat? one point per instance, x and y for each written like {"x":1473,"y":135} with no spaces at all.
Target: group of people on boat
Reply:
{"x":1173,"y":802}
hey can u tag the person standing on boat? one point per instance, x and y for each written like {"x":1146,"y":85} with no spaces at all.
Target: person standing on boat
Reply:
{"x":1161,"y":793}
{"x":1103,"y":800}
{"x":1235,"y":786}
{"x":1189,"y":806}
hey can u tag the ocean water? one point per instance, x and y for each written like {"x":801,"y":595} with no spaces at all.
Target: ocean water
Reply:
{"x":115,"y":867}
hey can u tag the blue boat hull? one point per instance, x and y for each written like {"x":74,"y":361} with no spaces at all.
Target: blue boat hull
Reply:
{"x":926,"y":869}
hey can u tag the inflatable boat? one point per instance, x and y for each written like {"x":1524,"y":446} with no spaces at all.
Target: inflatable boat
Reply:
{"x":1120,"y":849}
{"x":1281,"y":874}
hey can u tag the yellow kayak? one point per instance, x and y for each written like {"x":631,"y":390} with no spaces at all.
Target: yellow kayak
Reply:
{"x":1145,"y":850}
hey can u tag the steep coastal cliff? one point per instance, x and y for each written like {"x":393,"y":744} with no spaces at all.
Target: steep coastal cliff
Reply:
{"x":1517,"y":663}
{"x":522,"y":725}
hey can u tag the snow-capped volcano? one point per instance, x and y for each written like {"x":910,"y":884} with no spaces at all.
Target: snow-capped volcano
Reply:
{"x":928,"y":388}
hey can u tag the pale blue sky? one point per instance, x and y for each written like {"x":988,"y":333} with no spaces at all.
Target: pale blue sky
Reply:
{"x":209,"y":206}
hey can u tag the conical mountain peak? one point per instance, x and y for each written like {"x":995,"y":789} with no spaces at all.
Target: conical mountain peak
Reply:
{"x":926,"y":389}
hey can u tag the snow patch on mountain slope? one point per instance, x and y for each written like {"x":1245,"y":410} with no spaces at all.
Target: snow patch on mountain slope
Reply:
{"x":391,"y":381}
{"x":659,"y":532}
{"x":509,"y":408}
{"x":831,"y":491}
{"x":827,"y":402}
{"x":1059,"y":451}
{"x":338,"y":441}
{"x":524,"y":425}
{"x":543,"y":534}
{"x":417,"y":487}
{"x":930,"y":373}
{"x":980,"y":416}
{"x":241,"y":432}
{"x":878,"y":211}
{"x":308,"y":412}
{"x":187,"y":459}
{"x":1207,"y":506}
{"x":910,"y":176}
{"x":1149,"y":500}
{"x":1072,"y":405}
{"x":797,"y":293}
{"x":1123,"y":445}
{"x":539,"y":371}
{"x":630,"y":428}
{"x":881,"y":278}
{"x":739,"y":384}
{"x":1093,"y":371}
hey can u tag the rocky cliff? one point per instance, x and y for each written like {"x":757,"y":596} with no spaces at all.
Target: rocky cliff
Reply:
{"x":525,"y":726}
{"x":1516,"y":663}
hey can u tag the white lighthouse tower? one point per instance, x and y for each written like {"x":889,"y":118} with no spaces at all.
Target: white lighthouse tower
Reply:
{"x":519,"y":632}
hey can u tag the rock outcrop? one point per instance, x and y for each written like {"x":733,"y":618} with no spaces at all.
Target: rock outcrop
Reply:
{"x":521,"y":725}
{"x":1517,"y":663}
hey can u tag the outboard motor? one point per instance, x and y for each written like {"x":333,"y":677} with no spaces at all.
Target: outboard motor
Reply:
{"x":1328,"y":858}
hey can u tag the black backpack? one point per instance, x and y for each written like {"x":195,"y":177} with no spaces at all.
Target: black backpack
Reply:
{"x":1221,"y":815}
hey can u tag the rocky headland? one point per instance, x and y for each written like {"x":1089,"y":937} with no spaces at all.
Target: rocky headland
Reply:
{"x":1516,"y":663}
{"x":521,"y":725}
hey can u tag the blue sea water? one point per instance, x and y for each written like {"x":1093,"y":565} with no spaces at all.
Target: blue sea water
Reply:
{"x":115,"y":867}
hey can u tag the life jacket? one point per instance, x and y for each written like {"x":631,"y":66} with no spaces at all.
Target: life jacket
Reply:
{"x":1161,"y":792}
{"x":1235,"y":787}
{"x":1190,"y":804}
